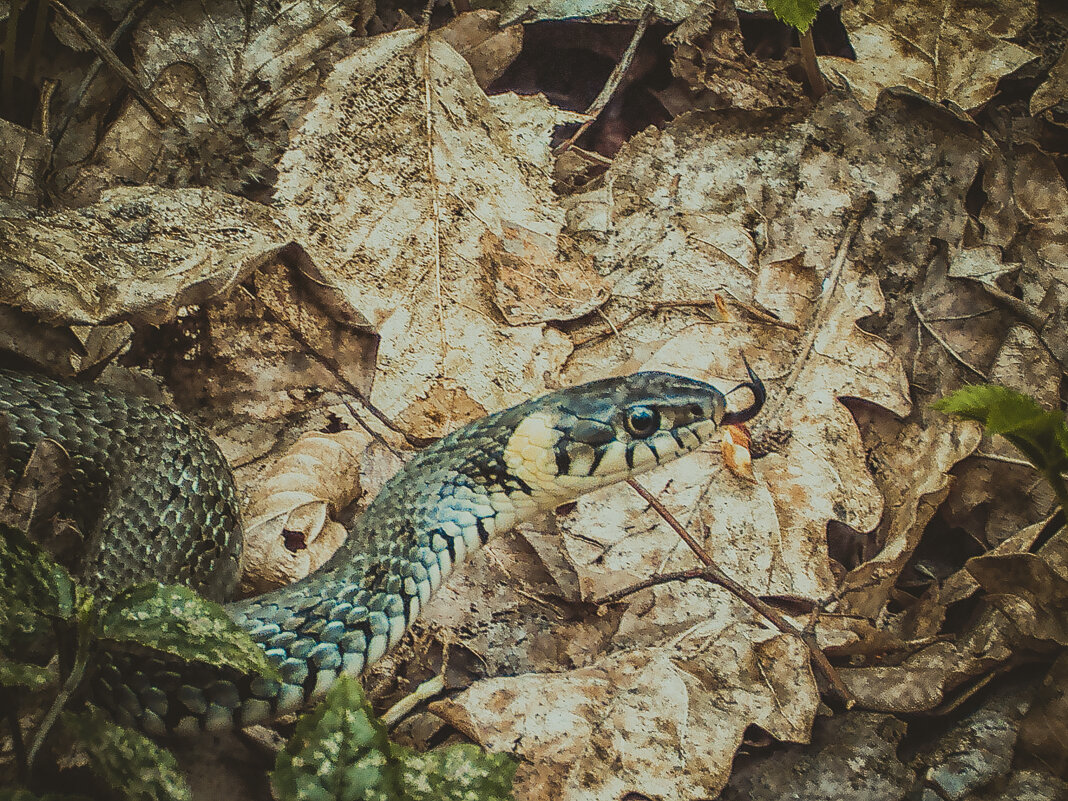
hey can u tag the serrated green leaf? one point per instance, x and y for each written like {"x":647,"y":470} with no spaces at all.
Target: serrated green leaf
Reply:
{"x":457,"y":773}
{"x":30,"y":577}
{"x":19,"y":674}
{"x":134,"y":766}
{"x":1038,"y":433}
{"x":175,"y":620}
{"x":338,"y":751}
{"x":34,"y":590}
{"x":795,"y":13}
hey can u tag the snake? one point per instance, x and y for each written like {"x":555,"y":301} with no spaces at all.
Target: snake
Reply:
{"x":157,"y":500}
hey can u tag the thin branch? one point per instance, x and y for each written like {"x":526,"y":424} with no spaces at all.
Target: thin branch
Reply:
{"x":712,"y":573}
{"x":71,"y":107}
{"x":428,"y":110}
{"x":938,"y":338}
{"x":160,"y":113}
{"x":651,"y":307}
{"x":428,"y":689}
{"x":613,"y":82}
{"x":819,"y":319}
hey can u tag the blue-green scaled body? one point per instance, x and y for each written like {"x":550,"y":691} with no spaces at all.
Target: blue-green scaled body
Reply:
{"x":165,"y":508}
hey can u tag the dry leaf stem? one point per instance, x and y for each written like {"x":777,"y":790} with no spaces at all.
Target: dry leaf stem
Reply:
{"x":132,"y":16}
{"x":613,"y":82}
{"x":937,"y":338}
{"x":651,"y":307}
{"x":712,"y":573}
{"x":160,"y":113}
{"x":861,"y":207}
{"x":428,"y":110}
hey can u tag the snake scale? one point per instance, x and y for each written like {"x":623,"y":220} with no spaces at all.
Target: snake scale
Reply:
{"x":166,"y":509}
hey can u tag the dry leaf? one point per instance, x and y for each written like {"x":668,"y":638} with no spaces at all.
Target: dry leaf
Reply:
{"x":234,"y":73}
{"x":1044,"y":731}
{"x":638,"y":707}
{"x":735,"y":448}
{"x":953,"y":50}
{"x":317,"y":476}
{"x":534,"y":286}
{"x":138,"y":254}
{"x":488,"y":48}
{"x":1054,"y":90}
{"x":711,"y":59}
{"x":24,"y":157}
{"x":358,"y":186}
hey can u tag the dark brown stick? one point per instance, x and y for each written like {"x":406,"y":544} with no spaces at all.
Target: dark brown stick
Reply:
{"x":711,"y":572}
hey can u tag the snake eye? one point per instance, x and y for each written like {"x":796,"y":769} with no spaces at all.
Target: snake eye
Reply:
{"x":642,"y":421}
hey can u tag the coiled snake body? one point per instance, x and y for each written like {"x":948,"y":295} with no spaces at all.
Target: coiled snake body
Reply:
{"x":170,"y":513}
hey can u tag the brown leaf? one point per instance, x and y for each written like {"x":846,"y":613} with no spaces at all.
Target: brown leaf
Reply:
{"x":638,"y":707}
{"x":138,"y":254}
{"x":319,"y":475}
{"x":271,"y":350}
{"x":1043,"y":738}
{"x":736,"y":455}
{"x":24,"y":157}
{"x":399,"y":231}
{"x":947,"y":50}
{"x":488,"y":48}
{"x":712,"y":60}
{"x":1029,"y":591}
{"x":533,"y":285}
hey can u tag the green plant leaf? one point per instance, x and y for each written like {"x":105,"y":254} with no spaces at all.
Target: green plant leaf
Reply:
{"x":134,"y":766}
{"x":34,"y":590}
{"x":457,"y":773}
{"x":341,"y":751}
{"x":18,"y":674}
{"x":1038,"y":433}
{"x":338,"y":751}
{"x":796,"y":13}
{"x":29,"y":576}
{"x":175,"y":620}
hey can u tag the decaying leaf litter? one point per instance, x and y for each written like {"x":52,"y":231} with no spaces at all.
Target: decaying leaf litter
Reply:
{"x":338,"y":231}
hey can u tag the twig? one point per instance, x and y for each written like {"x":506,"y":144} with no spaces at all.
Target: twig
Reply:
{"x":71,"y":107}
{"x":428,"y":689}
{"x":651,"y":307}
{"x":428,"y":109}
{"x":613,"y":82}
{"x":1027,"y":312}
{"x":937,"y":338}
{"x":819,"y":319}
{"x":993,"y":457}
{"x":41,"y":118}
{"x":711,"y":572}
{"x":160,"y":113}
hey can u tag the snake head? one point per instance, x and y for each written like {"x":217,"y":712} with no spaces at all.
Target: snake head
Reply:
{"x":578,"y":439}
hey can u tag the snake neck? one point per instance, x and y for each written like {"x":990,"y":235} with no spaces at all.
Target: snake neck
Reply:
{"x":345,"y":616}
